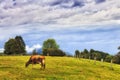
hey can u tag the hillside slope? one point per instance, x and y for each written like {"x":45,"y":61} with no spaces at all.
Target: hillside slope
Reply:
{"x":57,"y":68}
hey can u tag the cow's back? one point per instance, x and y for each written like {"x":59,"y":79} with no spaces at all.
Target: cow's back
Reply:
{"x":36,"y":58}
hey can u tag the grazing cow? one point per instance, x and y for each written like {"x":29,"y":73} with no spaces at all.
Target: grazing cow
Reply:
{"x":36,"y":59}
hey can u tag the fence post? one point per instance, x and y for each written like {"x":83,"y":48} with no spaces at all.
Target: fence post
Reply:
{"x":111,"y":64}
{"x":95,"y":60}
{"x":102,"y":60}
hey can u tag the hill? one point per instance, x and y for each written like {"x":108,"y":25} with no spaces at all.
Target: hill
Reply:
{"x":57,"y":68}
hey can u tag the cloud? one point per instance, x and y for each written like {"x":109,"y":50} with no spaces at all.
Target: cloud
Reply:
{"x":8,"y":32}
{"x":68,"y":3}
{"x":1,"y":50}
{"x":99,"y":1}
{"x":30,"y":49}
{"x":69,"y":38}
{"x":64,"y":20}
{"x":59,"y":12}
{"x":98,"y":38}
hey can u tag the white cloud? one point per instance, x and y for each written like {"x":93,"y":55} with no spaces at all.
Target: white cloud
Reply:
{"x":8,"y":32}
{"x":93,"y":13}
{"x":1,"y":50}
{"x":30,"y":49}
{"x":42,"y":12}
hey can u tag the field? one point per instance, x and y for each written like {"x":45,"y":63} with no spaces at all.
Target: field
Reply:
{"x":57,"y":68}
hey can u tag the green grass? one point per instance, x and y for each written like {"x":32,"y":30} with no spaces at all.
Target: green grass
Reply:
{"x":57,"y":68}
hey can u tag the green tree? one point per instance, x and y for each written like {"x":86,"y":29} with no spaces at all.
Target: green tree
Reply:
{"x":86,"y":53}
{"x":116,"y":58}
{"x":53,"y":52}
{"x":108,"y":58}
{"x":91,"y":55}
{"x":50,"y":43}
{"x":15,"y":46}
{"x":51,"y":48}
{"x":77,"y":53}
{"x":20,"y":44}
{"x":10,"y":47}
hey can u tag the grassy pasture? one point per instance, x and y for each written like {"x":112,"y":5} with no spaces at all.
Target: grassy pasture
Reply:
{"x":57,"y":68}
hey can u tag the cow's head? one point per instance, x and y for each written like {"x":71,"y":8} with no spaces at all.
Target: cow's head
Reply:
{"x":27,"y":64}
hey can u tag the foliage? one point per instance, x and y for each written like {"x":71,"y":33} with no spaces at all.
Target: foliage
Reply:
{"x":98,"y":55}
{"x":77,"y":53}
{"x":92,"y":54}
{"x":116,"y":58}
{"x":86,"y":53}
{"x":50,"y":43}
{"x":51,"y":48}
{"x":10,"y":47}
{"x":20,"y":44}
{"x":53,"y":52}
{"x":34,"y":52}
{"x":14,"y":46}
{"x":108,"y":58}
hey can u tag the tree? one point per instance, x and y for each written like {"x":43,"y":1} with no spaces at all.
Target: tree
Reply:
{"x":91,"y":55}
{"x":51,"y":48}
{"x":99,"y":54}
{"x":34,"y":52}
{"x":15,"y":46}
{"x":116,"y":58}
{"x":20,"y":44}
{"x":53,"y":52}
{"x":50,"y":43}
{"x":77,"y":53}
{"x":86,"y":53}
{"x":92,"y":50}
{"x":10,"y":47}
{"x":108,"y":58}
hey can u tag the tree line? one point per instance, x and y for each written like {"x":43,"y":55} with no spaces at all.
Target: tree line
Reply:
{"x":97,"y":55}
{"x":16,"y":46}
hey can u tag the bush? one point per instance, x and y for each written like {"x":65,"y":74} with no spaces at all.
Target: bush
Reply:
{"x":116,"y":58}
{"x":108,"y":58}
{"x":53,"y":52}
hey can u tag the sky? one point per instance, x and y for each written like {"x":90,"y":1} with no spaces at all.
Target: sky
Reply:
{"x":74,"y":24}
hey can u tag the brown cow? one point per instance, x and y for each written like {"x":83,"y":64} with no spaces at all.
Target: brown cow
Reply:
{"x":36,"y":59}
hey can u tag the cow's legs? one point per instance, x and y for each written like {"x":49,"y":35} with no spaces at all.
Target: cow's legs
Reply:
{"x":32,"y":64}
{"x":43,"y":64}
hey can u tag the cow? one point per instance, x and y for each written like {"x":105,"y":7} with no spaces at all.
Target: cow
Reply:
{"x":36,"y":59}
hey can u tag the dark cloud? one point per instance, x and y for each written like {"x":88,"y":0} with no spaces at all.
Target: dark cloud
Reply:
{"x":78,"y":4}
{"x":99,"y":1}
{"x":116,"y":17}
{"x":2,"y":17}
{"x":75,"y":3}
{"x":1,"y":1}
{"x":56,"y":3}
{"x":14,"y":4}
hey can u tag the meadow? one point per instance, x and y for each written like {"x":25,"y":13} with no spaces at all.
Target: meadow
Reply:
{"x":57,"y":68}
